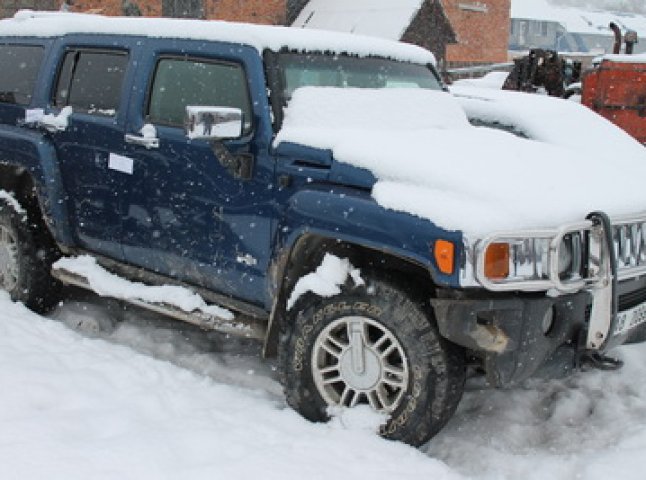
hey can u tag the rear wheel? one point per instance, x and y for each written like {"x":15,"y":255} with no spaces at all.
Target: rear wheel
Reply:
{"x":26,"y":255}
{"x":373,"y":345}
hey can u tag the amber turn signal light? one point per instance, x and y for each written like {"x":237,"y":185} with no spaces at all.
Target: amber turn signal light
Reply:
{"x":497,"y":261}
{"x":444,"y":256}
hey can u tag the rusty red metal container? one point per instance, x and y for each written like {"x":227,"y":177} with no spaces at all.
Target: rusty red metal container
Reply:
{"x":617,"y":91}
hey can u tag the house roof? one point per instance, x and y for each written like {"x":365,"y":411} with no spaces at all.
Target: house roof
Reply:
{"x":380,"y":18}
{"x":577,"y":20}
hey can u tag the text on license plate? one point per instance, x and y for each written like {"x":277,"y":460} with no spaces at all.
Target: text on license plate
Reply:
{"x":629,"y":319}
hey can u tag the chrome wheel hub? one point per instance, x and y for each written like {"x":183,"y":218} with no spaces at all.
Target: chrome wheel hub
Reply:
{"x":358,"y":360}
{"x":8,"y":259}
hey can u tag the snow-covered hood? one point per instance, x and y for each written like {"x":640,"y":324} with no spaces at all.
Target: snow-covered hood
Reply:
{"x":429,"y":161}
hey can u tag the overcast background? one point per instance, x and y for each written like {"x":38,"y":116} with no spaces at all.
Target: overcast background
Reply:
{"x":638,"y":6}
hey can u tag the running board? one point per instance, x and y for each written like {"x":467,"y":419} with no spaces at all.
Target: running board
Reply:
{"x":241,"y":326}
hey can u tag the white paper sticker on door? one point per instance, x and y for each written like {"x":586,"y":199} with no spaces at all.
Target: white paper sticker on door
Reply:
{"x":120,"y":163}
{"x":34,"y":115}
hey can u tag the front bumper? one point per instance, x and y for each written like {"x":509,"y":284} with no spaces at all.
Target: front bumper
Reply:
{"x":517,"y":336}
{"x":607,"y":253}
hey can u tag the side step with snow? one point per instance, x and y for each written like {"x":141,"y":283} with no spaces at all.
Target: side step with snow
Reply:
{"x":208,"y":317}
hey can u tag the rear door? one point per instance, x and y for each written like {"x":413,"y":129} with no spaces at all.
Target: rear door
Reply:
{"x":92,"y":79}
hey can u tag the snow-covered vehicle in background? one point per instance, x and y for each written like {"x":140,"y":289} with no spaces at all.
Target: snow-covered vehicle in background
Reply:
{"x":320,"y":192}
{"x":615,"y":87}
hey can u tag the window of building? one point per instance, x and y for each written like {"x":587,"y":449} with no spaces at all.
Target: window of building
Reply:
{"x":181,"y":82}
{"x":183,"y":8}
{"x":540,"y":29}
{"x":522,"y":33}
{"x":20,"y":64}
{"x":91,"y":81}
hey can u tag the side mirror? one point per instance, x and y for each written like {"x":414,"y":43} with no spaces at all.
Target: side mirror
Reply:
{"x":213,"y":123}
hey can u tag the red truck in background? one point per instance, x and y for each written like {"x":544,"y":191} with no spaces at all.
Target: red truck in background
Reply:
{"x":616,"y":89}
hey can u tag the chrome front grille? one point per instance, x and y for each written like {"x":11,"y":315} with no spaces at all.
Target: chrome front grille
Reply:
{"x":629,"y":243}
{"x":571,"y":258}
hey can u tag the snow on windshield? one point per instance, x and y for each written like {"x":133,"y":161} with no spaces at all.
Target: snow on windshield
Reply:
{"x":301,"y":70}
{"x":430,"y":162}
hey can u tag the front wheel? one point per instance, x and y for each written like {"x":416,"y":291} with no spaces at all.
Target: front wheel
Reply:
{"x":373,"y":345}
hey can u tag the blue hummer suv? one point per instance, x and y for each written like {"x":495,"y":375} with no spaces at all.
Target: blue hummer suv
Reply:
{"x":150,"y":145}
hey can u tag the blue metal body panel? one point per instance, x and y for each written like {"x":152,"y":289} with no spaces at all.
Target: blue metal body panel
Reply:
{"x":336,"y":203}
{"x":180,"y":212}
{"x":30,"y":150}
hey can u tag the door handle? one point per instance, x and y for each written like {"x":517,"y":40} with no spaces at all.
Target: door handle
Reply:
{"x":51,"y":125}
{"x":148,"y":142}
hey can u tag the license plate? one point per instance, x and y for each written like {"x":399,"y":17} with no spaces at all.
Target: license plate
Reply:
{"x":629,"y":319}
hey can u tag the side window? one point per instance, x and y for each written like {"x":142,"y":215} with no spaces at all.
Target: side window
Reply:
{"x":182,"y":82}
{"x":91,"y":82}
{"x":20,"y":64}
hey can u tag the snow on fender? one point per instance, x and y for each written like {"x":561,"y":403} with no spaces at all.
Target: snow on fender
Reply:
{"x":326,"y":280}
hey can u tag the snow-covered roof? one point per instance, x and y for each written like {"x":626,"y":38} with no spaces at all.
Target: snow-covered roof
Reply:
{"x":577,"y":20}
{"x":641,"y":58}
{"x":52,"y":24}
{"x":380,"y":18}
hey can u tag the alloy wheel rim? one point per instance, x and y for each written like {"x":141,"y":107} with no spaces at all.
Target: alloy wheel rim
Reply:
{"x":357,"y":360}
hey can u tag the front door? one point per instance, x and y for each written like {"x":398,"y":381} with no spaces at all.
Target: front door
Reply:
{"x":187,"y":215}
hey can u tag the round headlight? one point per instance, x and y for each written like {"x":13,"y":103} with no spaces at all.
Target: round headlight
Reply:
{"x":565,"y":257}
{"x":569,"y":255}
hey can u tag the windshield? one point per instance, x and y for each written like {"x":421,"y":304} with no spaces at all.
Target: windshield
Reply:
{"x":317,"y":70}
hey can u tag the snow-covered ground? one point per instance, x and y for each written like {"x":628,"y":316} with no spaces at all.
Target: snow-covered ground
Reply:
{"x":145,"y":398}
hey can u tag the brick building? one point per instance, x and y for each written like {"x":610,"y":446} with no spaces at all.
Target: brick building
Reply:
{"x":272,"y":12}
{"x":482,"y":31}
{"x":9,"y":7}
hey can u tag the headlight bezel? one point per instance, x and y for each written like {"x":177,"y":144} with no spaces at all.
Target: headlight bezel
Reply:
{"x":540,"y":260}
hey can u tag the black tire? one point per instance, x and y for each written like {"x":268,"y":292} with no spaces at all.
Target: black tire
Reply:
{"x":436,"y":368}
{"x":32,"y":253}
